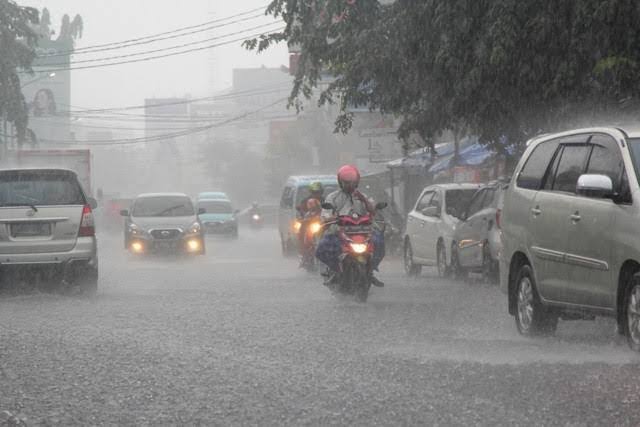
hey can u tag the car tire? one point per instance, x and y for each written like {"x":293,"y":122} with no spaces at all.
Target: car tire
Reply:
{"x":489,"y":266}
{"x":532,"y":318}
{"x":631,"y":314}
{"x":441,"y":260}
{"x":84,"y":283}
{"x":410,"y":267}
{"x":456,"y":270}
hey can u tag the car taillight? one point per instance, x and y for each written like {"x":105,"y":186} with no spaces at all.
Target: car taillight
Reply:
{"x":498,"y":218}
{"x":87,"y":224}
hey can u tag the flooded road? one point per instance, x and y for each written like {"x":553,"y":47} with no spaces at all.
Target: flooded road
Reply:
{"x":242,"y":336}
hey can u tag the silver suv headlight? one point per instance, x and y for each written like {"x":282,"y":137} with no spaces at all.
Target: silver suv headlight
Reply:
{"x":195,"y":228}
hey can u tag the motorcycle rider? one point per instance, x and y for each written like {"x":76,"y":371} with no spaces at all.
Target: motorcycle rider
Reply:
{"x":348,"y":199}
{"x":316,"y":192}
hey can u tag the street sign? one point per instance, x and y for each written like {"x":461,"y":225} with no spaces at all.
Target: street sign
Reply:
{"x":382,"y":144}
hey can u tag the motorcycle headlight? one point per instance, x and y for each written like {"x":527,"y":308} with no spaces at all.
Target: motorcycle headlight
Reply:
{"x":296,"y":226}
{"x":195,"y":228}
{"x":315,"y":227}
{"x":359,"y":248}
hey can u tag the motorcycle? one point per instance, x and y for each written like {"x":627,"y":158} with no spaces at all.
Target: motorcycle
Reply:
{"x":312,"y":226}
{"x":355,"y":269}
{"x":255,"y":220}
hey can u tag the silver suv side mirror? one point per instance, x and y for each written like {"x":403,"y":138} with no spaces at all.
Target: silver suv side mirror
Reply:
{"x":593,"y":185}
{"x":432,"y":211}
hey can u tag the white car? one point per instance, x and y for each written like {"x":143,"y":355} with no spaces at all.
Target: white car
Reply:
{"x":429,"y":235}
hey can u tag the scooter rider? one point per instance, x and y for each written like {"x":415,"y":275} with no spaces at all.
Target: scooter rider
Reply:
{"x":348,"y":199}
{"x":316,"y":192}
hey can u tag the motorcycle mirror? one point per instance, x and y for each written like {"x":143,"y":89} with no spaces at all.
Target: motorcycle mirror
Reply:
{"x":328,"y":206}
{"x":381,"y":205}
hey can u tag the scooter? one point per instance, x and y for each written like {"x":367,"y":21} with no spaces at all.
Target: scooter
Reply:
{"x":355,"y":268}
{"x":256,"y":221}
{"x":312,"y":226}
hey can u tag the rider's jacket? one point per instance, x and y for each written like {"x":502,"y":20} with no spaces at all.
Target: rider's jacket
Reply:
{"x":346,"y":204}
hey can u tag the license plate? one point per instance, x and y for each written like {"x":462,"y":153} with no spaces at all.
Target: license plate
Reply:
{"x":31,"y":229}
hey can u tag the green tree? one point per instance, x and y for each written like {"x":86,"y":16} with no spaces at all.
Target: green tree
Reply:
{"x":502,"y":69}
{"x":17,"y":41}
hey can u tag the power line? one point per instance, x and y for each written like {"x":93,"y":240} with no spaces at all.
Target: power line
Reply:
{"x":78,"y":50}
{"x":52,"y":55}
{"x":164,"y":136}
{"x":155,"y":57}
{"x":164,"y":49}
{"x":233,"y":95}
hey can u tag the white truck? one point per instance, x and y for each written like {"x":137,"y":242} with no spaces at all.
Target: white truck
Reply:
{"x":78,"y":161}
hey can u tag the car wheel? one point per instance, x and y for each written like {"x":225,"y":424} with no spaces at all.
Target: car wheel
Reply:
{"x":489,"y":268}
{"x":532,"y":319}
{"x":441,"y":261}
{"x":410,"y":267}
{"x":457,"y":271}
{"x":632,"y":315}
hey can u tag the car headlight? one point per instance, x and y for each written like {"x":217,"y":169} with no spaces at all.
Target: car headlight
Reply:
{"x":195,"y":228}
{"x":135,"y":230}
{"x":256,"y":217}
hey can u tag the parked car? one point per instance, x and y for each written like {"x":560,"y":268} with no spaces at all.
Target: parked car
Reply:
{"x":294,"y":192}
{"x":478,"y":236}
{"x":570,"y":231}
{"x":163,"y":222}
{"x":431,"y":225}
{"x":218,"y":217}
{"x":47,"y":226}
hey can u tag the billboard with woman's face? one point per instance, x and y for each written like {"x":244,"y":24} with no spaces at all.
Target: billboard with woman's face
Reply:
{"x":44,"y":103}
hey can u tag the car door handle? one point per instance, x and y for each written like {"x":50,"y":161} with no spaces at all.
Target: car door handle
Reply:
{"x":576,"y":217}
{"x":536,"y":211}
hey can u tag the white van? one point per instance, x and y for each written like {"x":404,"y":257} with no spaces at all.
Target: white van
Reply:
{"x":294,"y":192}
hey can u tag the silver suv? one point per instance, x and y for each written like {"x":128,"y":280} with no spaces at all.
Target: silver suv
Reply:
{"x":570,"y":231}
{"x":47,"y":227}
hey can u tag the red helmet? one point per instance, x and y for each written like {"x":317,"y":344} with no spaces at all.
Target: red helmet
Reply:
{"x":348,"y":178}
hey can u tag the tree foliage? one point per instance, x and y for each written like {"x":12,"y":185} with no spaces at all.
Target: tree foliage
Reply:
{"x":501,"y":69}
{"x":17,"y":41}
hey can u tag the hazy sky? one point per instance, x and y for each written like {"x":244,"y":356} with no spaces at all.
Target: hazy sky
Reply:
{"x":196,"y":73}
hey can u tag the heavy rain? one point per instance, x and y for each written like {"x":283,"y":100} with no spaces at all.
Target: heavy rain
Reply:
{"x":330,"y":212}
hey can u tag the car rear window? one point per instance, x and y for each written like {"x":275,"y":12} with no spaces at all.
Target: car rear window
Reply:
{"x":215,"y":206}
{"x":163,"y":206}
{"x":457,"y":201}
{"x":44,"y":188}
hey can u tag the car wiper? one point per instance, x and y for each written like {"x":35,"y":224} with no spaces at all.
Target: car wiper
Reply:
{"x":26,"y":205}
{"x":161,"y":213}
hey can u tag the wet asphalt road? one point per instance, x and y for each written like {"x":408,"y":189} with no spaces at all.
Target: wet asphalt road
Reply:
{"x":242,"y":337}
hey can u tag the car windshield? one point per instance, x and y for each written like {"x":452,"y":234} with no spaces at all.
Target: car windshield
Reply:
{"x":458,"y":200}
{"x":303,"y":192}
{"x":29,"y":188}
{"x":163,"y":206}
{"x":215,"y":206}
